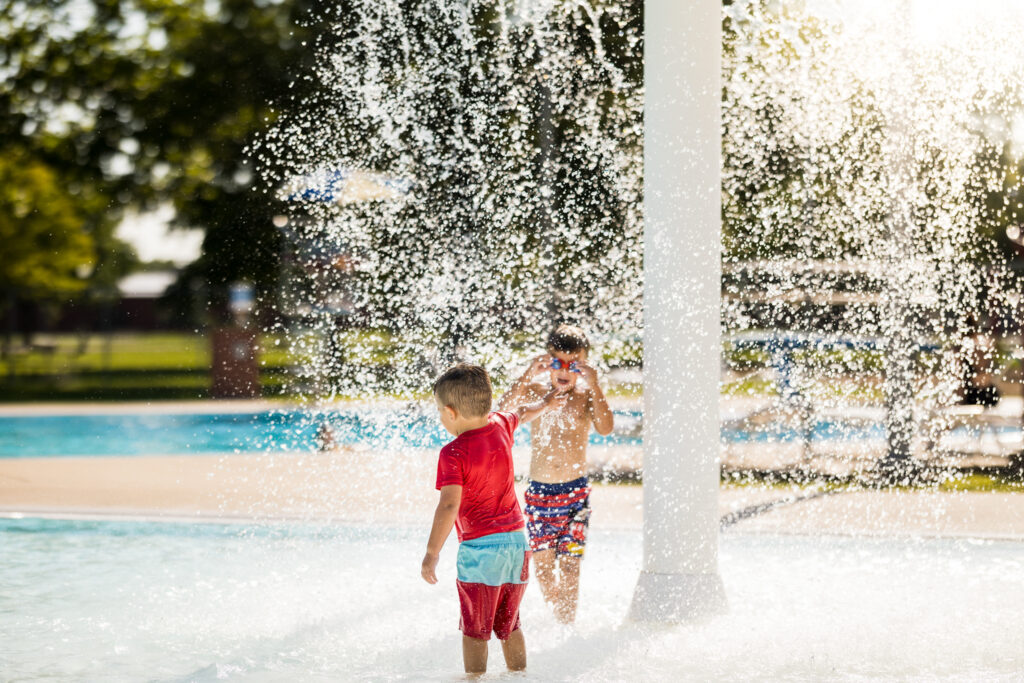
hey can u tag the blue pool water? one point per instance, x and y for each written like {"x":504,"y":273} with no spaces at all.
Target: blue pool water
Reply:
{"x":824,"y":430}
{"x":173,"y":434}
{"x":295,"y":430}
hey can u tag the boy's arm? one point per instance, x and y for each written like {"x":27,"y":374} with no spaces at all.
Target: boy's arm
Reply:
{"x":531,"y":411}
{"x":444,"y":518}
{"x":521,"y":389}
{"x":600,"y":412}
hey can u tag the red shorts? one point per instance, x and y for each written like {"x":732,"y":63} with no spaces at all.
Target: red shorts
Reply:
{"x":489,"y":608}
{"x":492,"y":575}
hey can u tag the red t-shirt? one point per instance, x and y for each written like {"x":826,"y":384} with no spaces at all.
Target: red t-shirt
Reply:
{"x":480,"y":461}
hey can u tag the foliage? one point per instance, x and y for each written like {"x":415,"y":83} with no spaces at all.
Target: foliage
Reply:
{"x":877,"y":163}
{"x":135,"y":102}
{"x":45,"y":248}
{"x":1002,"y":198}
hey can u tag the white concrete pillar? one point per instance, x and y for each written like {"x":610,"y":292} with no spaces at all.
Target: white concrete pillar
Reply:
{"x":682,"y":160}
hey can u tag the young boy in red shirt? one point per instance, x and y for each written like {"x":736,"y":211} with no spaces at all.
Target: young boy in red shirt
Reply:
{"x":474,"y":475}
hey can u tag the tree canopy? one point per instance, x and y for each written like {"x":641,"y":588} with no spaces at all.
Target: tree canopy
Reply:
{"x":121,"y":104}
{"x":45,"y":251}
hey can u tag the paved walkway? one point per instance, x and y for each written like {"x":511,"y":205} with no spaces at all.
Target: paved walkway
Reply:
{"x":397,"y":488}
{"x":888,"y":513}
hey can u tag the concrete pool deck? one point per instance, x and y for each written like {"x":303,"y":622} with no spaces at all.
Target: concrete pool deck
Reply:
{"x":397,"y":489}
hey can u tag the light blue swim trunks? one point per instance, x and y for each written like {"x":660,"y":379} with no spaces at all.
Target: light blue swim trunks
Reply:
{"x":494,"y":559}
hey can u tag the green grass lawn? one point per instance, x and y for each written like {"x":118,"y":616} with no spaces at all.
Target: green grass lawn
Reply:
{"x":168,"y":365}
{"x":67,"y":354}
{"x":985,"y":483}
{"x":177,"y":366}
{"x":124,"y":367}
{"x":173,"y":365}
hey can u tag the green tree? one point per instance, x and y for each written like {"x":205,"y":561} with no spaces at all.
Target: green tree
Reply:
{"x":46,"y":253}
{"x":136,"y":102}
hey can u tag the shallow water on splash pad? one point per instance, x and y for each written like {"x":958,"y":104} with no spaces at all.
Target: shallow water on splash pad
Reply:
{"x":189,"y":602}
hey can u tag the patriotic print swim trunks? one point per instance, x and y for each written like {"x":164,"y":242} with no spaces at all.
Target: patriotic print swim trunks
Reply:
{"x":557,"y":516}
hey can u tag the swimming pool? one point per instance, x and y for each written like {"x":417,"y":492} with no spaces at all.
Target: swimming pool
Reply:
{"x":119,"y":601}
{"x":181,"y":433}
{"x":147,"y":433}
{"x":176,"y":433}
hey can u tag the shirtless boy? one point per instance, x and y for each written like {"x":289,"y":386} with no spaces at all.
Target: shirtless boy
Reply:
{"x":558,"y":495}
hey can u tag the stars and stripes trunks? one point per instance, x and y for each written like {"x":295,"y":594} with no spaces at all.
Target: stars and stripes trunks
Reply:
{"x":557,"y":516}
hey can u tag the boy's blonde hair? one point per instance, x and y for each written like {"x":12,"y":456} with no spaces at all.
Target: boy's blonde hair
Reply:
{"x":466,"y":388}
{"x":568,"y":339}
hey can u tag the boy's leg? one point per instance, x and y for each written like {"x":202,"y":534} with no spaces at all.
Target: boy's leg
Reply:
{"x":559,"y":579}
{"x":568,"y":557}
{"x":474,"y":655}
{"x":540,"y":532}
{"x":514,"y":649}
{"x":568,"y":588}
{"x":544,"y":570}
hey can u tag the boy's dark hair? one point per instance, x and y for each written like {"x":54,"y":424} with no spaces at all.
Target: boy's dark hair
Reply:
{"x":568,"y":339}
{"x":465,"y":387}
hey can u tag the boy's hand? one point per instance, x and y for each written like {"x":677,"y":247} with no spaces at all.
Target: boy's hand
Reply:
{"x":588,"y":372}
{"x":429,"y":567}
{"x":538,"y":365}
{"x":555,"y":399}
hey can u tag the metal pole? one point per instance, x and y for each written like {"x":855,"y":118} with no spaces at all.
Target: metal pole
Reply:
{"x":682,"y":288}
